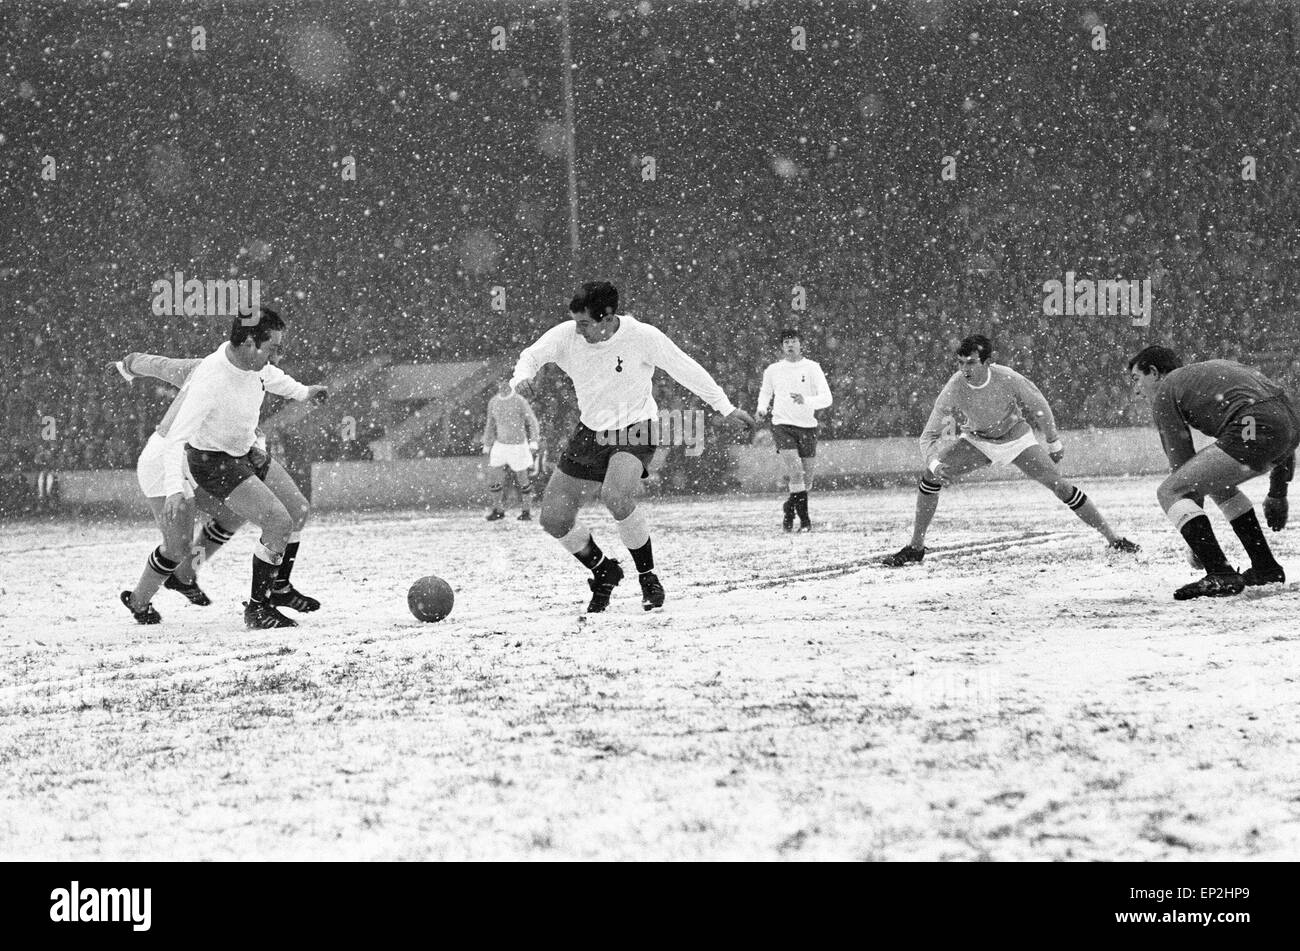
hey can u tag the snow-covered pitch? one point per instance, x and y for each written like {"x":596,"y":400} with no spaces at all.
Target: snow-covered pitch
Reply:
{"x":1021,"y":695}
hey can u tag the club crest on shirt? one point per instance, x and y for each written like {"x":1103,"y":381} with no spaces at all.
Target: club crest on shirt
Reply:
{"x":619,"y":367}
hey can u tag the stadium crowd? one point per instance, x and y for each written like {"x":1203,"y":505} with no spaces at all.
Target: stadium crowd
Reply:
{"x":775,"y":168}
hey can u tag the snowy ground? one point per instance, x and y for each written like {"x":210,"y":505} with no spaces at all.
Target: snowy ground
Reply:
{"x":1022,"y":695}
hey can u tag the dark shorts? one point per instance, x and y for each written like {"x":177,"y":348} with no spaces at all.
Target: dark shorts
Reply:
{"x":219,"y":473}
{"x":1262,"y":435}
{"x":802,"y":438}
{"x":587,"y":454}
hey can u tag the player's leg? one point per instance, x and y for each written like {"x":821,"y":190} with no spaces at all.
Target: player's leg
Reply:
{"x":497,"y":490}
{"x":560,"y":504}
{"x":952,"y":462}
{"x":794,"y":477}
{"x":162,"y":561}
{"x":1240,"y":513}
{"x":1038,"y":465}
{"x":283,"y":593}
{"x":524,"y":482}
{"x":1210,"y":472}
{"x":254,"y":501}
{"x":205,"y":541}
{"x":807,"y":464}
{"x":618,"y":492}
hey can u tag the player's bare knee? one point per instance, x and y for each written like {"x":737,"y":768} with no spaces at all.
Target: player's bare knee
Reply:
{"x":619,"y":503}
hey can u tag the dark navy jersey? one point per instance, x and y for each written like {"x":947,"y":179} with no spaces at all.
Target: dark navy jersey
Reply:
{"x":1208,"y":396}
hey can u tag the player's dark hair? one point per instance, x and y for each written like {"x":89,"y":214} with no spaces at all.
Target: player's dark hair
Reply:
{"x":269,"y":321}
{"x":976,"y":343}
{"x":790,"y":334}
{"x":1155,"y":357}
{"x":599,"y":298}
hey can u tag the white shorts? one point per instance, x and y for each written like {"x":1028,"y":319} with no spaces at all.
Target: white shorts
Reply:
{"x":517,"y":456}
{"x":1002,"y":453}
{"x":150,"y":474}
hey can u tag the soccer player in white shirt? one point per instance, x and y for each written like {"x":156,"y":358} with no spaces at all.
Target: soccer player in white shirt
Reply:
{"x":799,"y":389}
{"x":215,"y":432}
{"x":611,"y":359}
{"x":172,"y":564}
{"x":992,"y":408}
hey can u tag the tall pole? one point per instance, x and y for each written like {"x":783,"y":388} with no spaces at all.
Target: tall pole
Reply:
{"x":570,"y":145}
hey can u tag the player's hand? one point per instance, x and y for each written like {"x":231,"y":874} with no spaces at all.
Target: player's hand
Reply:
{"x":524,"y":389}
{"x":797,"y":397}
{"x":1275,"y":512}
{"x":532,"y":446}
{"x":318,"y":393}
{"x":738,"y":419}
{"x":486,"y":450}
{"x":120,"y":367}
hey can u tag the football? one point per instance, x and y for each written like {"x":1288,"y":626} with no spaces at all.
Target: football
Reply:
{"x":430,"y":598}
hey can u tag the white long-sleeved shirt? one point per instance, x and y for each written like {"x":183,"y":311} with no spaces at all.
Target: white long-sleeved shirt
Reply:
{"x":219,"y":409}
{"x":612,"y":378}
{"x":802,"y":376}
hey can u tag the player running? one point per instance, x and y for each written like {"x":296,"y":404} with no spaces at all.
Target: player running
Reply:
{"x":215,"y":432}
{"x":1256,"y":430}
{"x":509,"y":440}
{"x":173,"y":563}
{"x":800,"y":389}
{"x":611,"y":359}
{"x":992,"y":407}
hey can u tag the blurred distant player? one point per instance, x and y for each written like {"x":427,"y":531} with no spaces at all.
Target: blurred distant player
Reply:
{"x":1257,"y":431}
{"x":611,"y":359}
{"x":215,"y":433}
{"x":173,"y":563}
{"x":510,"y":439}
{"x":800,"y":389}
{"x":993,"y":407}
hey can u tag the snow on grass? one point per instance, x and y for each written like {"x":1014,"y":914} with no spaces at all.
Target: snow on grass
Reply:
{"x":1023,"y":694}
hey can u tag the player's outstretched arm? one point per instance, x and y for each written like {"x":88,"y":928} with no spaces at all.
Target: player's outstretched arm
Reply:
{"x":282,"y":384}
{"x":173,"y":370}
{"x":685,"y":370}
{"x":544,"y":351}
{"x":765,"y":394}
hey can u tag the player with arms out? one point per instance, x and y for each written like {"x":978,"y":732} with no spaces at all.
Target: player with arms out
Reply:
{"x":1256,"y":430}
{"x":509,"y":441}
{"x":799,"y":389}
{"x":174,"y":563}
{"x":215,"y":432}
{"x":993,"y":407}
{"x":611,"y":359}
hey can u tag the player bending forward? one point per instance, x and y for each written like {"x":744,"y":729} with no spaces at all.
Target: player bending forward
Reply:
{"x":174,"y":563}
{"x":992,"y":406}
{"x":799,"y":388}
{"x":611,"y":359}
{"x":509,"y":440}
{"x":1256,"y":429}
{"x":215,"y":432}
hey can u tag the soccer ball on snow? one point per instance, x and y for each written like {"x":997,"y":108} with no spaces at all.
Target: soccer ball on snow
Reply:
{"x":430,"y":599}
